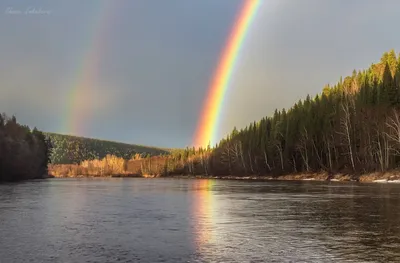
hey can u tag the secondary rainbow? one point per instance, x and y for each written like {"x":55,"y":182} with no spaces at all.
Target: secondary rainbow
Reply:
{"x":209,"y":119}
{"x":81,"y":90}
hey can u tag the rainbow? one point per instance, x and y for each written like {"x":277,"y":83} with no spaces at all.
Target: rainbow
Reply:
{"x":81,"y":90}
{"x":207,"y":127}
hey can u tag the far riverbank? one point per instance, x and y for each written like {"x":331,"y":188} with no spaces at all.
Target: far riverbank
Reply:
{"x":365,"y":178}
{"x":389,"y":177}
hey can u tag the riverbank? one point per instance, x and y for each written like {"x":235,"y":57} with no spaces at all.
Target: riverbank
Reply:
{"x":99,"y":176}
{"x":291,"y":177}
{"x":389,"y":177}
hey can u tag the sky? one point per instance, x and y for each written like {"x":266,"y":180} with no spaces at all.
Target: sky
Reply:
{"x":148,"y":63}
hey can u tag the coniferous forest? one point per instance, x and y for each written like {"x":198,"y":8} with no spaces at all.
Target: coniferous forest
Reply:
{"x":24,"y":153}
{"x":352,"y":127}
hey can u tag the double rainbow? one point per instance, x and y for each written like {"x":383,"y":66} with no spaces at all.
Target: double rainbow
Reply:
{"x":206,"y":131}
{"x":80,"y":96}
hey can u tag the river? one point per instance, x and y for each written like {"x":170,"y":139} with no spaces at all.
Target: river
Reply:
{"x":182,"y":220}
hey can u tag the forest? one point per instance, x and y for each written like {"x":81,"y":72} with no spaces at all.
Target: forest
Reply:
{"x":24,"y":153}
{"x":69,"y":149}
{"x":351,"y":127}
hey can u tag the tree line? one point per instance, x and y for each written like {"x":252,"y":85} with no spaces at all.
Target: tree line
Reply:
{"x":351,"y":127}
{"x":24,"y":152}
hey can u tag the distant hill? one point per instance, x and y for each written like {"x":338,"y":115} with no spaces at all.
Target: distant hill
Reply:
{"x":69,"y":149}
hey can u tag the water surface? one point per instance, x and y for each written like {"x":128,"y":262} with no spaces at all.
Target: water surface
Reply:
{"x":173,"y":220}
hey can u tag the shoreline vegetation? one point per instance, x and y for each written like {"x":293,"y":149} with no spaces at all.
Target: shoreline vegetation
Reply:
{"x":348,"y":132}
{"x":157,"y":167}
{"x":318,"y":177}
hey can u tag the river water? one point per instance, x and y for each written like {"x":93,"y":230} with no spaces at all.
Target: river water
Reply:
{"x":173,"y":220}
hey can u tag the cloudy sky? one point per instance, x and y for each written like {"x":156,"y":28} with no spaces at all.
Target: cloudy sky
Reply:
{"x":141,"y":68}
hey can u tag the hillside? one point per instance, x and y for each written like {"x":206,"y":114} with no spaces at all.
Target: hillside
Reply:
{"x":69,"y":149}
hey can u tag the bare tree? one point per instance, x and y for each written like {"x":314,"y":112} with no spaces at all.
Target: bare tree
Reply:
{"x":205,"y":162}
{"x":328,"y":144}
{"x":393,"y":123}
{"x":264,"y":147}
{"x":382,"y":149}
{"x":239,"y":154}
{"x":302,"y":148}
{"x":250,"y":161}
{"x":279,"y":147}
{"x":266,"y":159}
{"x":319,"y":153}
{"x":346,"y":130}
{"x":227,"y":155}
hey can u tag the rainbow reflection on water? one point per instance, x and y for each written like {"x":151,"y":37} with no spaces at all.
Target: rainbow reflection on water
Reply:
{"x":203,"y":210}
